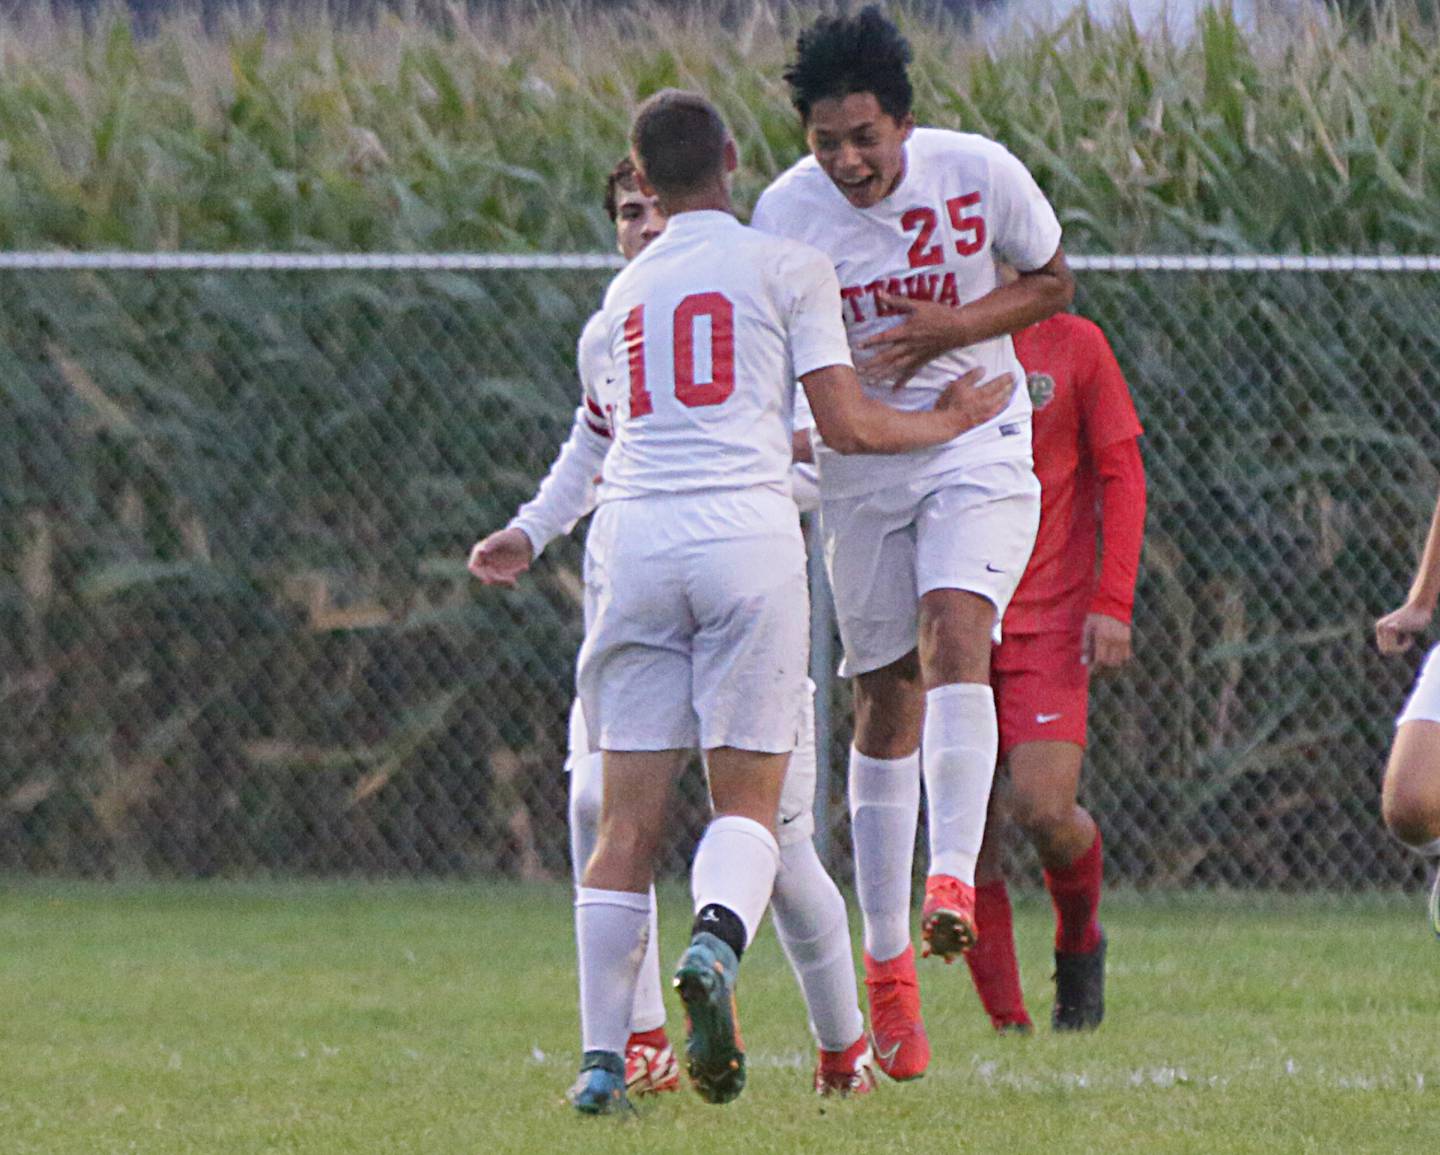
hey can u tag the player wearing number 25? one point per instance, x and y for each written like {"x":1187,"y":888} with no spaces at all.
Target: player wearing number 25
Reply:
{"x":695,"y":572}
{"x":924,"y":548}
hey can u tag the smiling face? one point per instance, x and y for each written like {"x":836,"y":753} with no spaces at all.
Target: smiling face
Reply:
{"x":859,"y":145}
{"x":638,"y":221}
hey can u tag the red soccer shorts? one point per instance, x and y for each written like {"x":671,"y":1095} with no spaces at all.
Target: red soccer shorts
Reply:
{"x":1042,"y":689}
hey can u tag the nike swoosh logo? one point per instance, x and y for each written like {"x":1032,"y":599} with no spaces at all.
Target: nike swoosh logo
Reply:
{"x":785,"y":819}
{"x":991,"y":569}
{"x":1044,"y":718}
{"x":889,"y":1053}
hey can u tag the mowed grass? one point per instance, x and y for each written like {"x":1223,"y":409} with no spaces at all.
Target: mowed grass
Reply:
{"x":400,"y":1018}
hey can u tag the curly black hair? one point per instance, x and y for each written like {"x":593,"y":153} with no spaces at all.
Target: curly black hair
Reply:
{"x":840,"y":55}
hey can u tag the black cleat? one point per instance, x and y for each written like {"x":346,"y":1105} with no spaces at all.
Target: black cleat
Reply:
{"x":1079,"y":989}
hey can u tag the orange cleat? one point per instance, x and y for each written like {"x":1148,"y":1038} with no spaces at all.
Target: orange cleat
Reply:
{"x":947,"y":922}
{"x":901,"y":1047}
{"x":846,"y":1073}
{"x":650,"y":1065}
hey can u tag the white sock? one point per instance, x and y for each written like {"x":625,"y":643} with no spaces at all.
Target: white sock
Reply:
{"x":959,"y":746}
{"x":648,"y":1010}
{"x":884,"y":811}
{"x":586,"y":791}
{"x":610,"y":929}
{"x":815,"y":932}
{"x":735,"y":867}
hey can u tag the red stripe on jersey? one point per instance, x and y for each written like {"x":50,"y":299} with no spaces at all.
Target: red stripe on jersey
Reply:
{"x":640,"y":403}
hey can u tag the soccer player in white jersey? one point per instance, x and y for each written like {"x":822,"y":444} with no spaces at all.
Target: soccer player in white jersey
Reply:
{"x":1410,"y":794}
{"x":695,"y":573}
{"x":925,"y":548}
{"x":810,"y":915}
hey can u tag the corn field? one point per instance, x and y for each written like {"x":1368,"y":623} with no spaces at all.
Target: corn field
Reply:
{"x":238,"y":635}
{"x":493,"y":132}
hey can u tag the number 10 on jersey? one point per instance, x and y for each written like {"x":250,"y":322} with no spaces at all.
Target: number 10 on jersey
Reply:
{"x":690,"y":393}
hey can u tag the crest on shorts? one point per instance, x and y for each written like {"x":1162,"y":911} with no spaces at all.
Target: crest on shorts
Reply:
{"x":1042,"y":389}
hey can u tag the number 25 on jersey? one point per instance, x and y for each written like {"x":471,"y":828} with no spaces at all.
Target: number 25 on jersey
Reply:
{"x":969,"y":231}
{"x":715,"y":307}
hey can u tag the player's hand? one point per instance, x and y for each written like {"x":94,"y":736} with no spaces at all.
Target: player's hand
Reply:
{"x":975,"y":404}
{"x":1395,"y":632}
{"x":928,"y":330}
{"x":1104,"y":642}
{"x":502,"y":557}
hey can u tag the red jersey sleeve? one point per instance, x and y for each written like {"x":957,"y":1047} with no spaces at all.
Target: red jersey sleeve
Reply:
{"x":1105,"y":403}
{"x":1122,"y":527}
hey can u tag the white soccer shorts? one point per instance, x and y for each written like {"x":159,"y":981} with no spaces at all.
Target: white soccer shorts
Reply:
{"x":795,"y":820}
{"x":970,"y":530}
{"x":699,"y":632}
{"x":1423,"y":705}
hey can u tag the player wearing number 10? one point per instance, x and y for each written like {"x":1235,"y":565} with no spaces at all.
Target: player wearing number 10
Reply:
{"x":695,"y":573}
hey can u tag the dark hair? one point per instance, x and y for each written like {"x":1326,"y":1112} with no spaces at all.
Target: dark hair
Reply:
{"x":840,"y":55}
{"x":678,"y":140}
{"x":622,"y":177}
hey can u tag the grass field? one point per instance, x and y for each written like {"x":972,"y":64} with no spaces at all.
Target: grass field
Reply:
{"x":399,"y":1018}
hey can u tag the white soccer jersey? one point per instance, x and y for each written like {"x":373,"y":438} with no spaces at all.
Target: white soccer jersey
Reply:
{"x":568,"y":492}
{"x":963,"y":203}
{"x":708,"y":330}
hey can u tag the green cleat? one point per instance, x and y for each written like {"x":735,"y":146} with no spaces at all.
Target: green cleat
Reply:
{"x":705,"y":980}
{"x":600,"y":1089}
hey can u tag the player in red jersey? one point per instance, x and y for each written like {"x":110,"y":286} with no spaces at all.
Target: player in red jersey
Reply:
{"x":1065,"y":621}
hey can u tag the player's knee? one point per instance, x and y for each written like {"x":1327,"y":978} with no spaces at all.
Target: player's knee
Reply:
{"x":623,"y":839}
{"x":955,"y":634}
{"x":1041,"y":814}
{"x":889,"y":703}
{"x":1411,"y":816}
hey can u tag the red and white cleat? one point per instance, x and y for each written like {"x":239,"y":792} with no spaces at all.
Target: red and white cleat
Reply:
{"x":846,"y":1073}
{"x":650,"y":1065}
{"x":901,"y":1047}
{"x":947,"y":922}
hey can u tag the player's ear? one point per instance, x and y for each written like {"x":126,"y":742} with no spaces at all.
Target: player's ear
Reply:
{"x":907,"y":124}
{"x":732,"y":155}
{"x":646,"y":188}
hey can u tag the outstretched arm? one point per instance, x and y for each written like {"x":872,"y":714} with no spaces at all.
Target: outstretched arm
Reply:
{"x":565,"y":496}
{"x":1395,"y":632}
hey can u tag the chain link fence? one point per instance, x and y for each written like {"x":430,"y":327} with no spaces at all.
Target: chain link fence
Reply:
{"x":236,"y":496}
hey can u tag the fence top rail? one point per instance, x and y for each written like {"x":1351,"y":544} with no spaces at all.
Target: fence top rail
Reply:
{"x":43,"y":261}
